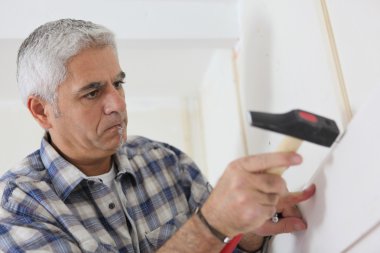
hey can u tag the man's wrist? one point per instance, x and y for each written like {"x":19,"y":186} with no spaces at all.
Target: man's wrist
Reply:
{"x":192,"y":237}
{"x":223,"y":238}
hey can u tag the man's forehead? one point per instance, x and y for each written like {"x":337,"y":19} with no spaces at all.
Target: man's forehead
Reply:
{"x":92,"y":57}
{"x":94,"y":64}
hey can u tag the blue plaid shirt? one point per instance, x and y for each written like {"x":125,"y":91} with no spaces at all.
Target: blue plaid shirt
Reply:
{"x":48,"y":205}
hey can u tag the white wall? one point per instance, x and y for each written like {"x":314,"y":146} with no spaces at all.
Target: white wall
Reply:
{"x":286,"y":63}
{"x":19,"y":134}
{"x":220,"y":115}
{"x":174,"y":120}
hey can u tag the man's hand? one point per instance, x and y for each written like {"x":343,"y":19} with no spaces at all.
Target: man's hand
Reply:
{"x":246,"y":197}
{"x":291,"y":220}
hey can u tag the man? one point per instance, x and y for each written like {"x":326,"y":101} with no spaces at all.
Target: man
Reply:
{"x":90,"y":189}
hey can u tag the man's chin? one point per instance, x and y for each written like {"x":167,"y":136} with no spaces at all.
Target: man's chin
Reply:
{"x":110,"y":145}
{"x":112,"y":140}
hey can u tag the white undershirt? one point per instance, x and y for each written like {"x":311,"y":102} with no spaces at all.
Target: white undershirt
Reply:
{"x":109,"y":179}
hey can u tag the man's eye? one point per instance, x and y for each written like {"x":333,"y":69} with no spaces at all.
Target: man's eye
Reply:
{"x":92,"y":94}
{"x":118,"y":84}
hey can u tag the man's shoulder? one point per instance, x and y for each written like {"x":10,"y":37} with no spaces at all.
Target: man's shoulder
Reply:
{"x":23,"y":186}
{"x":30,"y":169}
{"x":137,"y":141}
{"x":138,"y":144}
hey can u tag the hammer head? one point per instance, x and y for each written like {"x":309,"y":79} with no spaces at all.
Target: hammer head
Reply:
{"x":300,"y":124}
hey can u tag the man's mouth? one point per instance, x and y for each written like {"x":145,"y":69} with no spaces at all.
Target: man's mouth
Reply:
{"x":115,"y":128}
{"x":116,"y":125}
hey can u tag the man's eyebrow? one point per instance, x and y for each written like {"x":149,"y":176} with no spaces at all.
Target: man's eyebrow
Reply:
{"x":120,"y":76}
{"x":90,"y":86}
{"x":98,"y":85}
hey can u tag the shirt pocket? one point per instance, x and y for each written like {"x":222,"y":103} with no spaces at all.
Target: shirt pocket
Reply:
{"x":160,"y":235}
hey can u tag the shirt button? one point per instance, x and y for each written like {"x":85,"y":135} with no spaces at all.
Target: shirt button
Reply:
{"x":111,"y":206}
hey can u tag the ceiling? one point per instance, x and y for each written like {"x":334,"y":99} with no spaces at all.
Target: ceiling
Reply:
{"x":164,"y":46}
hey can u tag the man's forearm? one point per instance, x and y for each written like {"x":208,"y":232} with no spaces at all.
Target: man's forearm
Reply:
{"x":192,"y":237}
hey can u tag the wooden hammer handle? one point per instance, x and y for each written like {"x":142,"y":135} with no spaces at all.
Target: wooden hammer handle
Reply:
{"x":288,"y":144}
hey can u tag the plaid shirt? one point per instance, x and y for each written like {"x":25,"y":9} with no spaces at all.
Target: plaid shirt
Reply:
{"x":48,"y":205}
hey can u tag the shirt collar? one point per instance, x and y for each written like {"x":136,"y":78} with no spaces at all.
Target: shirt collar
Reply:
{"x":65,"y":177}
{"x":122,"y":162}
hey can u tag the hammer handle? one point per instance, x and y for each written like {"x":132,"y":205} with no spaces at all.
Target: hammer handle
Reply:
{"x":288,"y":144}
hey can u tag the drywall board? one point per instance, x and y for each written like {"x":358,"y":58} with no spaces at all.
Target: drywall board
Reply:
{"x":368,"y":243}
{"x":346,"y":206}
{"x":285,"y":63}
{"x":356,"y":26}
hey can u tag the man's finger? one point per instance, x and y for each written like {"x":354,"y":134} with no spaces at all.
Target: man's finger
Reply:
{"x":296,"y":197}
{"x":291,"y":212}
{"x":285,"y":225}
{"x":289,"y":225}
{"x":262,"y":162}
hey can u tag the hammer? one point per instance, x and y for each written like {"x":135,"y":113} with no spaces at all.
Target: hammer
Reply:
{"x":298,"y":125}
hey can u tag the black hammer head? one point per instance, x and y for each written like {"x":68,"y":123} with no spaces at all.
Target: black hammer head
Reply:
{"x":300,"y":124}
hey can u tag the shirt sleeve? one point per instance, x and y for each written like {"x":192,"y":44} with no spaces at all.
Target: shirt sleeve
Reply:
{"x":195,"y":185}
{"x":22,"y":229}
{"x":26,"y":226}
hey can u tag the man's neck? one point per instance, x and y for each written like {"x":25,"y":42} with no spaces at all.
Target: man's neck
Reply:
{"x":88,"y":165}
{"x":94,"y":168}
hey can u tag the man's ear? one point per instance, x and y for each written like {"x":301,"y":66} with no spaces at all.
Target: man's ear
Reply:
{"x":40,"y":111}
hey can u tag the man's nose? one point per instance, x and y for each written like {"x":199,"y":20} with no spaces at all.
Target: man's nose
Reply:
{"x":114,"y":101}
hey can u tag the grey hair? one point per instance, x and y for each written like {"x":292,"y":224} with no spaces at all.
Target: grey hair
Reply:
{"x":43,"y":56}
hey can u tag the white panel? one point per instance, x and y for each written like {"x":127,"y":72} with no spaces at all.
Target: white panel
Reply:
{"x":368,"y":243}
{"x":285,"y":63}
{"x":222,"y":132}
{"x":356,"y":27}
{"x":347,"y":202}
{"x":174,"y":120}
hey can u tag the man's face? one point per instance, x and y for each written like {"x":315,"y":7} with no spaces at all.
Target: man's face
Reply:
{"x":92,"y":118}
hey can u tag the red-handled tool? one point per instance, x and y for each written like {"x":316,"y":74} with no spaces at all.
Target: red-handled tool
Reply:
{"x":232,"y":244}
